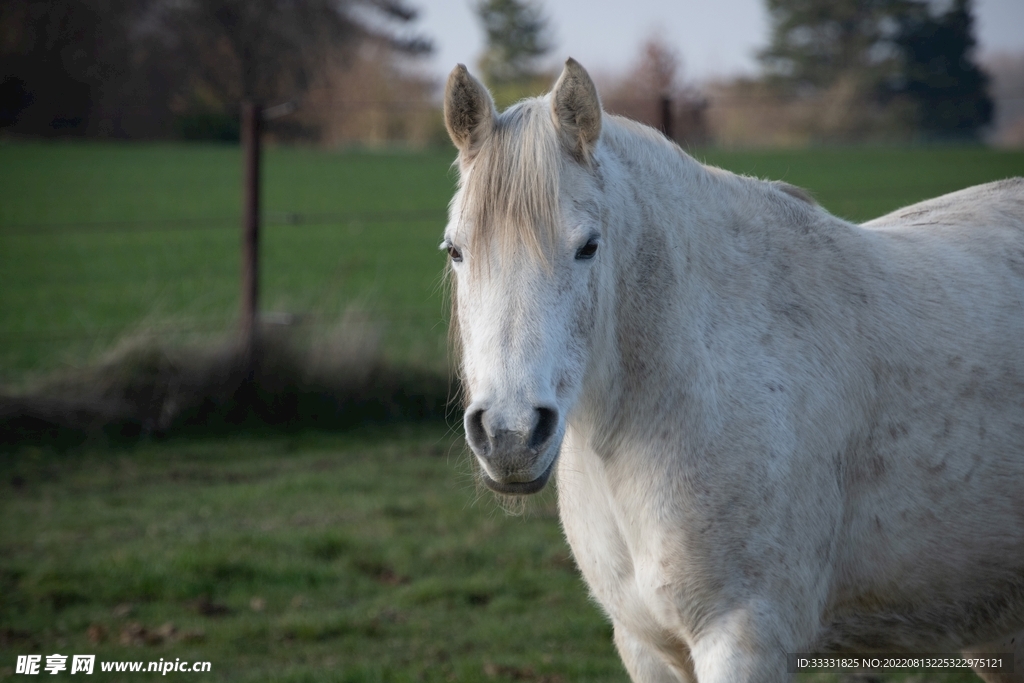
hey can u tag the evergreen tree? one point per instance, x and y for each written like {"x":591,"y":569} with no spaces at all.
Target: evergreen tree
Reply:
{"x":518,"y":36}
{"x":939,"y":75}
{"x":898,"y":59}
{"x":816,"y":42}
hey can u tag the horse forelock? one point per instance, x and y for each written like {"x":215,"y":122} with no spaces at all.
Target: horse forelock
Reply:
{"x":510,"y":188}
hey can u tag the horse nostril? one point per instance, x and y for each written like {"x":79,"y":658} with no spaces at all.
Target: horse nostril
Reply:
{"x":475,"y":433}
{"x":547,"y":423}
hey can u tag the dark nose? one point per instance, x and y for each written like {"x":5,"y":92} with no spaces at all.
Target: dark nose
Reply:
{"x":491,"y":440}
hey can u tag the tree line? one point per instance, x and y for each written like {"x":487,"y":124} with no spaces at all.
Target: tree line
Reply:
{"x":834,"y":70}
{"x":843,"y":70}
{"x":163,"y":68}
{"x":903,"y":62}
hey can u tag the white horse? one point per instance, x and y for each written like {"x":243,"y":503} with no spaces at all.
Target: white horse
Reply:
{"x":775,"y":431}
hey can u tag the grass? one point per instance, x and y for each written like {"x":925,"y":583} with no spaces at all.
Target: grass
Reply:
{"x":367,"y":557}
{"x":99,"y":240}
{"x":90,"y":182}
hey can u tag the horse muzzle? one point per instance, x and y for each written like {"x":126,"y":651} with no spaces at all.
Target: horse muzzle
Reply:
{"x":515,"y":461}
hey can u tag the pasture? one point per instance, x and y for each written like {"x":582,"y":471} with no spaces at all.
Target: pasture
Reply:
{"x":101,"y":240}
{"x":312,"y":558}
{"x":364,"y":558}
{"x":369,"y":556}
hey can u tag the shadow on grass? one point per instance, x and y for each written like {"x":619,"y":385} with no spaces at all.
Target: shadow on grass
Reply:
{"x":289,"y":380}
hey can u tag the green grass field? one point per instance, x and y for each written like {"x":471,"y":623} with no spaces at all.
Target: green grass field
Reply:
{"x":99,"y":240}
{"x":362,"y":557}
{"x":365,"y":558}
{"x":370,"y":557}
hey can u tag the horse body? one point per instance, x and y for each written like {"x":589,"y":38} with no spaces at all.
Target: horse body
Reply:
{"x":849,"y":477}
{"x":774,"y":431}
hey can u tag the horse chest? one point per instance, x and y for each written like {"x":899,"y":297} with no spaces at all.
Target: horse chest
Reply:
{"x":613,"y":553}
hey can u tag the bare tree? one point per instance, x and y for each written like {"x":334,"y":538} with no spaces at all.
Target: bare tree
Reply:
{"x":652,"y":91}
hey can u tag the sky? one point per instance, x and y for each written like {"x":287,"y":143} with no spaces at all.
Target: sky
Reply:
{"x":715,"y":38}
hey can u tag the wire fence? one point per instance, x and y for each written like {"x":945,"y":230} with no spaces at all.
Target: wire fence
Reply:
{"x":69,"y":310}
{"x":296,"y":218}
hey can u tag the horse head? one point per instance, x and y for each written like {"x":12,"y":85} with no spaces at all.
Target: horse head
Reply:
{"x":526,"y":255}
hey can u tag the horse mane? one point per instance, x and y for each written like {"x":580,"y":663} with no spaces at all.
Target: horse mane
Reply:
{"x":510,"y":187}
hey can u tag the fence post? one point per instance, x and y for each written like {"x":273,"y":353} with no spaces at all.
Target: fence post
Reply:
{"x":251,"y":124}
{"x":666,"y":116}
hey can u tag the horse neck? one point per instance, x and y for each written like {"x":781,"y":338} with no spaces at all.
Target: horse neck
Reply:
{"x":689,"y":242}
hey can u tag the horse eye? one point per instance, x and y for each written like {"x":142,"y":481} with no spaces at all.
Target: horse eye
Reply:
{"x":588,"y":250}
{"x":454,"y":253}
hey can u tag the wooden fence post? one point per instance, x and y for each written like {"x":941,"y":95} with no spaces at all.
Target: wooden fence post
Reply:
{"x":251,"y":124}
{"x":666,"y":116}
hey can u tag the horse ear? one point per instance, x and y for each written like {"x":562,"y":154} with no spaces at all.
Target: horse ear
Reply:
{"x":468,"y":111}
{"x":576,"y":110}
